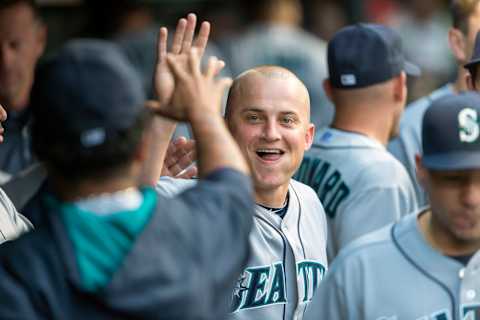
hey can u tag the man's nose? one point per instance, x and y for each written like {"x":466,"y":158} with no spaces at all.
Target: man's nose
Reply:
{"x":270,"y":131}
{"x":471,"y":194}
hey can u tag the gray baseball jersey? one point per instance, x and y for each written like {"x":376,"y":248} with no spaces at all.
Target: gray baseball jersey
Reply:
{"x":12,"y":223}
{"x":361,"y":186}
{"x":394,"y":274}
{"x":288,"y":256}
{"x":409,"y":141}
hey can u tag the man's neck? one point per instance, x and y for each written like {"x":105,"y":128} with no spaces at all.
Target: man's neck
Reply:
{"x":378,"y":134}
{"x":89,"y":188}
{"x":271,"y":198}
{"x":442,"y":240}
{"x":460,"y":83}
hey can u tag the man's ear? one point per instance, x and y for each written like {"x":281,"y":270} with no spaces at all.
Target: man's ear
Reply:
{"x":310,"y":134}
{"x":400,"y":87}
{"x":469,"y":81}
{"x":327,"y":87}
{"x":420,"y":170}
{"x":457,"y":43}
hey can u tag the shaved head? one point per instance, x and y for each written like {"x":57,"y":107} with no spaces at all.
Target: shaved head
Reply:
{"x":248,"y":81}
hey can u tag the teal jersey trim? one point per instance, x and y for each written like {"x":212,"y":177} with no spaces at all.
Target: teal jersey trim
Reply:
{"x":101,"y":242}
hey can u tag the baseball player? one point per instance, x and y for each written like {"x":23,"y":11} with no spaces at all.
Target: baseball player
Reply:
{"x":361,"y":186}
{"x":426,"y":265}
{"x":268,"y":115}
{"x":461,"y":37}
{"x":107,"y":248}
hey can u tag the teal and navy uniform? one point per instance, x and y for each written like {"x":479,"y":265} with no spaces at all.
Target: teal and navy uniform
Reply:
{"x":131,"y":254}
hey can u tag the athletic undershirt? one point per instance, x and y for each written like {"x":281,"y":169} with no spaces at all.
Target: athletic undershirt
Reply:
{"x":279,"y":211}
{"x":464,"y":259}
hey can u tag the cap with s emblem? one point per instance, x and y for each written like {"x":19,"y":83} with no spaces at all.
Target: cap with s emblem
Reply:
{"x":451,"y":133}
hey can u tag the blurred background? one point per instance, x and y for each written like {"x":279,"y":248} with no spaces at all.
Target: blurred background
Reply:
{"x":423,"y":26}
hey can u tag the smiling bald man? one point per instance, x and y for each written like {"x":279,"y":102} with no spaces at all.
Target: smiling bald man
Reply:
{"x":268,"y":114}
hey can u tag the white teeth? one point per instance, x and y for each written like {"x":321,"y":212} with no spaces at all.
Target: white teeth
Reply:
{"x":274,"y":151}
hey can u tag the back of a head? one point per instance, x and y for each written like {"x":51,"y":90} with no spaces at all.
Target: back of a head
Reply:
{"x":363,"y":57}
{"x":87,"y":110}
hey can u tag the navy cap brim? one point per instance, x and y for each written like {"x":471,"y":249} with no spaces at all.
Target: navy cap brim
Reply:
{"x":461,"y":160}
{"x":412,"y":69}
{"x":472,"y":63}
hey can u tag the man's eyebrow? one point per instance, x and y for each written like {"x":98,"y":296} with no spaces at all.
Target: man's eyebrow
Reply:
{"x":252,"y":109}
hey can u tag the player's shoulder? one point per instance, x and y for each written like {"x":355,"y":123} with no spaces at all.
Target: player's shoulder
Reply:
{"x":367,"y":247}
{"x":384,"y":168}
{"x":414,"y":111}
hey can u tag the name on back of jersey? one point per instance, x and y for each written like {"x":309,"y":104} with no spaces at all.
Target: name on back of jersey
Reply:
{"x":326,"y":181}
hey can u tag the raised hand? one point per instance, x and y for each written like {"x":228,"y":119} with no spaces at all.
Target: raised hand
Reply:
{"x":196,"y":93}
{"x":182,"y":43}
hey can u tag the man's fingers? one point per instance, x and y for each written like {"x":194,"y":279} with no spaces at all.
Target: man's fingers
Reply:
{"x":202,"y":38}
{"x":188,"y":173}
{"x":189,"y":32}
{"x":218,"y":67}
{"x":179,"y":35}
{"x":194,"y":61}
{"x":162,"y":45}
{"x":211,"y":66}
{"x":176,"y":67}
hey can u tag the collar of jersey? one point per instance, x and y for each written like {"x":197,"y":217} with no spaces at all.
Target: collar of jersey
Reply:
{"x":330,"y":137}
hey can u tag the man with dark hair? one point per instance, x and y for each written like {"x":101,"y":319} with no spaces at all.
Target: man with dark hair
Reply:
{"x":22,"y":42}
{"x":461,"y":38}
{"x":107,"y":248}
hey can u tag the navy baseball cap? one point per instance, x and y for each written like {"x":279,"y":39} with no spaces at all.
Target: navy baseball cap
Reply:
{"x":451,"y":133}
{"x":86,"y":93}
{"x":475,"y":59}
{"x":365,"y":54}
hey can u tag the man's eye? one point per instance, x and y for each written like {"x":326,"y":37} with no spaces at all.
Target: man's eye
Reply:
{"x":288,"y":120}
{"x":253,"y":118}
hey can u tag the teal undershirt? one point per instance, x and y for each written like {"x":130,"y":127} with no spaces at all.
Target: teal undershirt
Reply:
{"x":101,"y":242}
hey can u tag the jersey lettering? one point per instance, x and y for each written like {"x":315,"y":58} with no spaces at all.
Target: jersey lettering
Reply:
{"x":312,"y":273}
{"x":471,"y":312}
{"x":326,"y":181}
{"x":468,"y":123}
{"x":265,"y":285}
{"x":260,"y":286}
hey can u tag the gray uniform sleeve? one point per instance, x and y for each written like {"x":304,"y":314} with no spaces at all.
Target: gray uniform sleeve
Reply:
{"x":12,"y":223}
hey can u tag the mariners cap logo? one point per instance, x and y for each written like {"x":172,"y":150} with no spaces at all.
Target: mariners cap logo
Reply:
{"x":348,"y":79}
{"x":469,"y":129}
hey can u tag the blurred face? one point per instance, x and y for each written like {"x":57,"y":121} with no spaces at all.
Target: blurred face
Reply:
{"x":22,"y":40}
{"x":455,"y":204}
{"x":269,"y":120}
